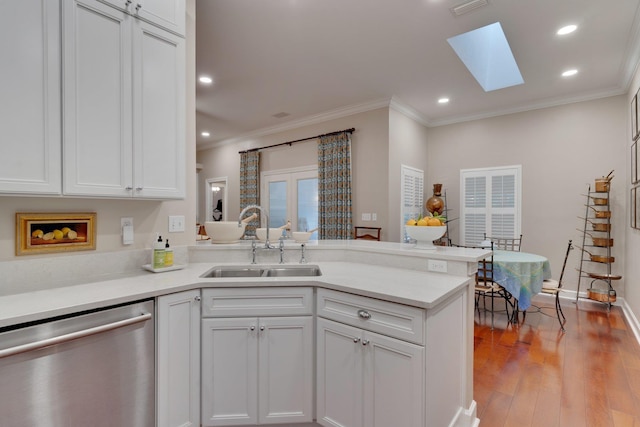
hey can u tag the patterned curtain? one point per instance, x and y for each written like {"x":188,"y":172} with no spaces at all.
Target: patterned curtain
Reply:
{"x":334,"y":186}
{"x":250,"y":186}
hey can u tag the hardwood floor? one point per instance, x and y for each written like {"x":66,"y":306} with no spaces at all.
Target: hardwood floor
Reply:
{"x":532,"y":374}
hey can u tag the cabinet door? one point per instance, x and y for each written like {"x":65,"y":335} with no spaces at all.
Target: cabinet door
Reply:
{"x":178,"y":359}
{"x":168,"y":14}
{"x":159,"y":113}
{"x":30,"y":119}
{"x":97,"y":100}
{"x":339,"y":375}
{"x":229,"y":372}
{"x":285,"y":370}
{"x":393,"y":382}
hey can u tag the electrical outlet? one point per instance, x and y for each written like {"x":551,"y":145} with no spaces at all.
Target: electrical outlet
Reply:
{"x":437,"y":265}
{"x":374,"y":216}
{"x":176,"y":223}
{"x":366,"y":217}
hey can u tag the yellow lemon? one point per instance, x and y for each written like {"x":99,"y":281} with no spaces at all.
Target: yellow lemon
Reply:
{"x":37,"y":233}
{"x":48,"y":236}
{"x":58,"y":234}
{"x":65,"y":231}
{"x":411,"y":222}
{"x":422,"y":222}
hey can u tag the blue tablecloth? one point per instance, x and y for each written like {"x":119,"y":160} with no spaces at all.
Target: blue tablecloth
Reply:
{"x":521,"y":274}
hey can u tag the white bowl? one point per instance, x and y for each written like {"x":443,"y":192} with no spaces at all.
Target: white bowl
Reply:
{"x":274,"y":234}
{"x":425,"y":235}
{"x":301,"y":236}
{"x":224,"y":231}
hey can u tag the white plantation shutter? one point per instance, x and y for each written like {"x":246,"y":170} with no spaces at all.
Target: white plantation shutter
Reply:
{"x":490,"y":203}
{"x":412,"y":195}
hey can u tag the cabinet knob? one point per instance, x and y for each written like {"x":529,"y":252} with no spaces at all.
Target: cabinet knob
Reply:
{"x":138,"y":6}
{"x":262,"y":328}
{"x":252,"y":328}
{"x":138,"y":188}
{"x":197,"y":298}
{"x":356,"y":340}
{"x":128,"y":188}
{"x":127,"y":3}
{"x":365,"y":342}
{"x":364,"y":314}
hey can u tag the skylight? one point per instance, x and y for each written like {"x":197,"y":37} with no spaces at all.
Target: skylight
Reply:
{"x":487,"y":55}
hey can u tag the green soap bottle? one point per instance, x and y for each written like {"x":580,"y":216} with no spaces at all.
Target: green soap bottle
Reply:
{"x":168,"y":255}
{"x":158,"y":253}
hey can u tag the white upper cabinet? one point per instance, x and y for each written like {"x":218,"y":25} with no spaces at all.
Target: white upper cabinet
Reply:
{"x":124,"y":105}
{"x":30,"y":118}
{"x":168,"y":14}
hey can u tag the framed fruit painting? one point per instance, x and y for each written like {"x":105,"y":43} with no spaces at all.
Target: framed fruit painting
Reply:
{"x":55,"y":232}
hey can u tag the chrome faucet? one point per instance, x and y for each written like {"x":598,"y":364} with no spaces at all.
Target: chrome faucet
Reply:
{"x":267,"y":245}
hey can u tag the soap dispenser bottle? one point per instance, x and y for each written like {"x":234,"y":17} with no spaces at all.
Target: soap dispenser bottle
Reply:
{"x":168,"y":255}
{"x":158,"y":253}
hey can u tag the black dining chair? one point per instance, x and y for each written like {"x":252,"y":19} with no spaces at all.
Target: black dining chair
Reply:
{"x":553,"y":287}
{"x":505,"y":243}
{"x":485,"y":287}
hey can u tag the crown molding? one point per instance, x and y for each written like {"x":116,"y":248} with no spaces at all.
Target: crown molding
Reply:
{"x":305,"y":121}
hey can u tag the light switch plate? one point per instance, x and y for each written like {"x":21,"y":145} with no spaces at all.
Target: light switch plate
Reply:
{"x":126,"y":229}
{"x":176,"y":223}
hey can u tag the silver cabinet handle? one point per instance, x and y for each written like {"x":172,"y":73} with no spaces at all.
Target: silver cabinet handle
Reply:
{"x":73,"y":335}
{"x":197,"y":298}
{"x":262,"y":328}
{"x":356,"y":340}
{"x":128,"y":188}
{"x":364,"y":314}
{"x":365,"y":342}
{"x":252,"y":328}
{"x":138,"y":188}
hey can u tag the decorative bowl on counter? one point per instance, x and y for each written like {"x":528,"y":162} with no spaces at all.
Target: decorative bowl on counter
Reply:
{"x":301,"y":236}
{"x":224,"y":231}
{"x":274,"y":234}
{"x":425,"y":235}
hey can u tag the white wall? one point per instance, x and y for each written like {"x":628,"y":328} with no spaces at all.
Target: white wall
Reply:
{"x":561,"y":150}
{"x":369,"y":156}
{"x":407,"y":146}
{"x":632,"y":242}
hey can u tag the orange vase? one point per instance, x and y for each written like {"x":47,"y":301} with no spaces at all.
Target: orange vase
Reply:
{"x":435,"y":204}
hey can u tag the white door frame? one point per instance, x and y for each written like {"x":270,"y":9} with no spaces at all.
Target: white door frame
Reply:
{"x":220,"y":182}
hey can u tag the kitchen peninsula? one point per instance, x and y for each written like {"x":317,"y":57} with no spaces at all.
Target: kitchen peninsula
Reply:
{"x":379,"y":296}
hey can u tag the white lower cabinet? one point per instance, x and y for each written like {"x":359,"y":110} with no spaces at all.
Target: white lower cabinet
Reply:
{"x":365,"y":379}
{"x":257,"y":369}
{"x":178,"y":359}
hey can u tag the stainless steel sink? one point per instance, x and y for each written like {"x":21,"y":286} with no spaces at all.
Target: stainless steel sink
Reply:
{"x":294,"y":271}
{"x":263,"y":271}
{"x":234,"y":271}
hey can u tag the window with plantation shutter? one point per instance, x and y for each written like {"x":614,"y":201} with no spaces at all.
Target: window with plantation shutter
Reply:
{"x":412,"y":195}
{"x":490,"y":203}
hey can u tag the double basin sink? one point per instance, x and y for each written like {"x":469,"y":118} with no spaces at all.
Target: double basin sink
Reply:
{"x":263,"y":271}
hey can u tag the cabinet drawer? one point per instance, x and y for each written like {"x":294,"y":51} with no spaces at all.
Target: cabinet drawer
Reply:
{"x":227,"y":302}
{"x":388,"y":318}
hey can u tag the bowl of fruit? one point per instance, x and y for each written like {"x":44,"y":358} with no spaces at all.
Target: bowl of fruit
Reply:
{"x":425,"y":230}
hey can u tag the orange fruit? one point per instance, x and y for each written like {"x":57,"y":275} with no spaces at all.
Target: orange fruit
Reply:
{"x":433,"y":222}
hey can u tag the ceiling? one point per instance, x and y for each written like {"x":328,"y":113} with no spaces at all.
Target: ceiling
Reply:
{"x":320,"y":59}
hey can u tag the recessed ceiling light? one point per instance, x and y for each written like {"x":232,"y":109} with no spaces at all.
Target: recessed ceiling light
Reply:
{"x":570,"y":73}
{"x":205,"y":133}
{"x":206,"y":80}
{"x":443,"y":101}
{"x":568,"y":29}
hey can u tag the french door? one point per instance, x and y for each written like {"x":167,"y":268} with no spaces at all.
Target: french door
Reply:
{"x":291,"y":195}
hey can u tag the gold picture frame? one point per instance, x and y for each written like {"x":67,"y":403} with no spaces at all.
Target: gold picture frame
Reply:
{"x":38,"y":233}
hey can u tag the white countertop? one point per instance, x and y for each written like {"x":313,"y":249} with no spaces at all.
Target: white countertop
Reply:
{"x":401,"y":285}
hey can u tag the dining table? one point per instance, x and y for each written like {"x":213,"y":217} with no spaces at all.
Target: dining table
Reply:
{"x":521,"y":274}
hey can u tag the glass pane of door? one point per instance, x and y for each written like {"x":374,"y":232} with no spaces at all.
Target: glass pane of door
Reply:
{"x":277,"y":203}
{"x":307,"y":206}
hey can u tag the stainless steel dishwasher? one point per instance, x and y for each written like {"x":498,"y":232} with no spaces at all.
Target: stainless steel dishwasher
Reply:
{"x":93,"y":369}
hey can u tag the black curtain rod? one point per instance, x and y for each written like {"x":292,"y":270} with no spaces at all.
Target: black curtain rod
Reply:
{"x":299,"y":140}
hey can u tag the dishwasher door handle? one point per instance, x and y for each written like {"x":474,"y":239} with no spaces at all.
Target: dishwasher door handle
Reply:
{"x":73,"y":335}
